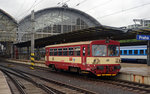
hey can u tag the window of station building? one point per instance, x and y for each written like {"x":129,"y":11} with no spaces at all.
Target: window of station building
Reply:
{"x":70,"y":51}
{"x":77,"y":51}
{"x":125,"y":52}
{"x":69,"y":28}
{"x":73,"y":28}
{"x":135,"y":52}
{"x":65,"y":29}
{"x":58,"y":30}
{"x":65,"y":52}
{"x":130,"y":52}
{"x":78,"y":21}
{"x":141,"y":52}
{"x":55,"y":52}
{"x":60,"y":51}
{"x":51,"y":52}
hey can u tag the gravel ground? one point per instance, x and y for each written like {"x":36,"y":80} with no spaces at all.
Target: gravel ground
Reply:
{"x":99,"y":87}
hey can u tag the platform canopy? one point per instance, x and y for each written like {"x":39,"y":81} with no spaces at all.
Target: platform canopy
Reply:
{"x":93,"y":33}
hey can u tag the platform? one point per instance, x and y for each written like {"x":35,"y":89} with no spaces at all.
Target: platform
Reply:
{"x":138,"y":69}
{"x":4,"y":88}
{"x":139,"y":73}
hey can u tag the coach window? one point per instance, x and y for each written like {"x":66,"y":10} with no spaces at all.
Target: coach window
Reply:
{"x":60,"y":51}
{"x":141,"y":52}
{"x":65,"y":52}
{"x":77,"y":51}
{"x":145,"y":51}
{"x":55,"y":52}
{"x":125,"y":52}
{"x":121,"y":52}
{"x":130,"y":52}
{"x":70,"y":51}
{"x":135,"y":52}
{"x":51,"y":52}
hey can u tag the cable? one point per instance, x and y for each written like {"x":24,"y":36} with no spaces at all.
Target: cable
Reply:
{"x":80,"y":3}
{"x":22,"y":5}
{"x":28,"y":9}
{"x":114,"y":13}
{"x":105,"y":3}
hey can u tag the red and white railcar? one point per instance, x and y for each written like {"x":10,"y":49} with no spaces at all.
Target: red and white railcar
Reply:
{"x":100,"y":57}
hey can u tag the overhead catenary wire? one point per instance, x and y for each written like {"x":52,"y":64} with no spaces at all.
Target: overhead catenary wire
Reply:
{"x":117,"y":12}
{"x":100,"y":5}
{"x":80,"y":3}
{"x":24,"y":13}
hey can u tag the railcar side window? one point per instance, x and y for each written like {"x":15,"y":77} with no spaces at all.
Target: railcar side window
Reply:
{"x":51,"y":52}
{"x":55,"y":52}
{"x":65,"y":52}
{"x":70,"y":51}
{"x":141,"y":52}
{"x":135,"y":52}
{"x":99,"y":50}
{"x":77,"y":51}
{"x":145,"y":51}
{"x":60,"y":51}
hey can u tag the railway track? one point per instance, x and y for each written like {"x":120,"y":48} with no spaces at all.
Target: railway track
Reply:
{"x":125,"y":85}
{"x":49,"y":86}
{"x":131,"y":86}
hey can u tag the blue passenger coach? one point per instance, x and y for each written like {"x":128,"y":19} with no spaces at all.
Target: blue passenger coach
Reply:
{"x":137,"y":54}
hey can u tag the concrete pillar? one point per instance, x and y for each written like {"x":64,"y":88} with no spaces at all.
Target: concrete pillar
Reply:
{"x":11,"y":50}
{"x":28,"y":53}
{"x":148,"y":53}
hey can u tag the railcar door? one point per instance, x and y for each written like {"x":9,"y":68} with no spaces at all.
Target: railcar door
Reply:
{"x":84,"y":54}
{"x":47,"y":54}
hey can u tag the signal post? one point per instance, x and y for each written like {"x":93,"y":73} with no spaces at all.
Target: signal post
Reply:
{"x":32,"y":40}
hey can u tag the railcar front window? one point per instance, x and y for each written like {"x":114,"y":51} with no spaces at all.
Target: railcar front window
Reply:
{"x":99,"y":50}
{"x":113,"y":50}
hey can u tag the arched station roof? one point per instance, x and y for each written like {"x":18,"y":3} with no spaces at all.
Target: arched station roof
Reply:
{"x":8,"y":27}
{"x":71,"y":10}
{"x":8,"y":16}
{"x":55,"y":20}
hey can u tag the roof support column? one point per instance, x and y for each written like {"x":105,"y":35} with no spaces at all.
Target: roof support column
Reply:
{"x":148,"y":53}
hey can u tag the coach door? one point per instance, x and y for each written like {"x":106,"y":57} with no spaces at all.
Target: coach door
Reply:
{"x":84,"y":53}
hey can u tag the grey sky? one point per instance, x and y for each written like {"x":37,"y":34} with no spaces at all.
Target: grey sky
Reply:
{"x":107,"y":12}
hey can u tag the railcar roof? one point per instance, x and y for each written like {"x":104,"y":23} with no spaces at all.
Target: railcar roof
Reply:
{"x":69,"y":44}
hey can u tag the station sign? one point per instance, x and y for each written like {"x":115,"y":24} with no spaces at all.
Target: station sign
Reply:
{"x":143,"y":37}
